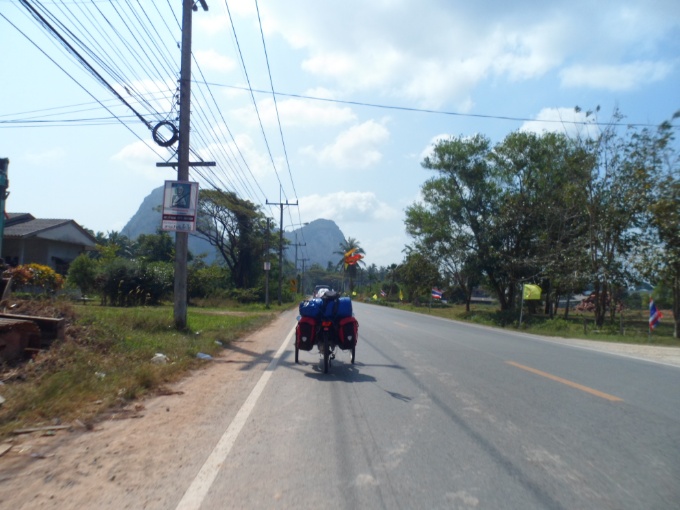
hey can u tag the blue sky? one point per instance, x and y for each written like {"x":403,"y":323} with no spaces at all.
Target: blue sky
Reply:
{"x":491,"y":67}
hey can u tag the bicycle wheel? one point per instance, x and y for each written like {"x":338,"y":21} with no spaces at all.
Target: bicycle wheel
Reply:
{"x":297,"y":352}
{"x":353,"y":353}
{"x":326,"y":352}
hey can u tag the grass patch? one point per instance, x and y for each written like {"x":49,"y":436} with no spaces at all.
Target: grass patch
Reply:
{"x":106,"y":359}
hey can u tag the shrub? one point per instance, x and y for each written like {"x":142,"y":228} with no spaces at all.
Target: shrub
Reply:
{"x":206,"y":281}
{"x":247,"y":295}
{"x":125,"y":282}
{"x":36,"y":276}
{"x":82,"y":273}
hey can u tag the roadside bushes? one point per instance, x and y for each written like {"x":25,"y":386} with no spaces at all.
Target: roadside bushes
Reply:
{"x":206,"y":281}
{"x":35,"y":276}
{"x":123,"y":282}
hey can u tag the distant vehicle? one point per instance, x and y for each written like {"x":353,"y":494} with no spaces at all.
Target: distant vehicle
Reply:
{"x":320,"y":290}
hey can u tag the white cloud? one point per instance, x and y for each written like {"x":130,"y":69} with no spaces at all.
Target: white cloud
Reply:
{"x":523,"y":54}
{"x":210,"y":25}
{"x":440,"y":55}
{"x":301,"y":112}
{"x":141,"y":159}
{"x":357,"y":147}
{"x":212,"y":60}
{"x":347,"y":206}
{"x":237,"y":173}
{"x":562,"y":120}
{"x":615,"y":77}
{"x":294,"y":113}
{"x":427,"y":151}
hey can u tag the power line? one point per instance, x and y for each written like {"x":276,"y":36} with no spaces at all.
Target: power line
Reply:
{"x":75,"y":53}
{"x":276,"y":106}
{"x":79,"y":84}
{"x":257,"y":111}
{"x":437,"y":112}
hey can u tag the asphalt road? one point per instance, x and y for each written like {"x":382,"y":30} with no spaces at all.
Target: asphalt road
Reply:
{"x":438,"y":414}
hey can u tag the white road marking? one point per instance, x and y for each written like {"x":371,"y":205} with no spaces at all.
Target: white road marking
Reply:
{"x":195,"y":494}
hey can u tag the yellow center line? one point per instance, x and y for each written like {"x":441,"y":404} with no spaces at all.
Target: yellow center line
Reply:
{"x":567,"y":382}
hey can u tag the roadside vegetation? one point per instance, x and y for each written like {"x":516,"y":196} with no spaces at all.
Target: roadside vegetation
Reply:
{"x":632,"y":327}
{"x":112,"y":356}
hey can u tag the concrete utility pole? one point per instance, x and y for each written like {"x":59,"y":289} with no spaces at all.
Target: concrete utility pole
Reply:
{"x":297,"y":275}
{"x":281,"y":204}
{"x":302,"y":284}
{"x":267,"y":266}
{"x":182,"y":238}
{"x":296,"y":252}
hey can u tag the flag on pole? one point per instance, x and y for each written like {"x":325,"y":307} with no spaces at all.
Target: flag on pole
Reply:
{"x":375,"y":296}
{"x":654,"y":315}
{"x":382,"y":293}
{"x":436,"y":293}
{"x":401,"y":295}
{"x":531,"y":292}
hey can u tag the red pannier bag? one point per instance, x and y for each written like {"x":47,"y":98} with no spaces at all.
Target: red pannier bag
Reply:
{"x":304,"y":333}
{"x":348,"y":332}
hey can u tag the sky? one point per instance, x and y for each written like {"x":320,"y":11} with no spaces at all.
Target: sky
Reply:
{"x":330,"y":106}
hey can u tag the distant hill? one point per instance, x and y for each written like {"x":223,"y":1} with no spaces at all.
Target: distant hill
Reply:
{"x":147,"y":220}
{"x":322,"y":237}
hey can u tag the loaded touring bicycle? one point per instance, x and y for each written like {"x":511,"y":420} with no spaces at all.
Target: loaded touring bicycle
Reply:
{"x":328,"y":323}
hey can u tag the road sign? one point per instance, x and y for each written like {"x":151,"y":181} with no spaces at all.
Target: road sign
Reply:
{"x":180,"y":203}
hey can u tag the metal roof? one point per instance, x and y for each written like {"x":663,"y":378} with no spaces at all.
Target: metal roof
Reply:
{"x":22,"y":225}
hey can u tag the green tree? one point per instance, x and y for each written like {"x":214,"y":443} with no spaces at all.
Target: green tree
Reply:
{"x":235,"y":227}
{"x":82,"y":273}
{"x":159,"y":247}
{"x":418,"y":274}
{"x":622,"y":166}
{"x":120,"y":245}
{"x":541,"y":216}
{"x":658,"y":257}
{"x":459,"y":216}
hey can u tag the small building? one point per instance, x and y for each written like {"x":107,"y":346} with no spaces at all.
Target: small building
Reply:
{"x":50,"y":242}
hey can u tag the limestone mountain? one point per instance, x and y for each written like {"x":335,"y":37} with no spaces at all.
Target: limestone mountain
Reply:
{"x":147,"y":220}
{"x":321,"y":238}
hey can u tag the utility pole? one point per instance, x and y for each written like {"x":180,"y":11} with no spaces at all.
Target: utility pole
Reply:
{"x":297,"y":275}
{"x":302,"y":285}
{"x":296,"y":251}
{"x":267,"y":266}
{"x":280,"y":204}
{"x":182,"y":238}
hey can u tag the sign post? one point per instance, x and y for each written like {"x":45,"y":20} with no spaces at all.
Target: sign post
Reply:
{"x":180,"y":204}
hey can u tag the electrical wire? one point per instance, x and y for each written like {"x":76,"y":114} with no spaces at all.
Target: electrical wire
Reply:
{"x":257,"y":111}
{"x":437,"y":112}
{"x":276,"y":106}
{"x":80,"y":85}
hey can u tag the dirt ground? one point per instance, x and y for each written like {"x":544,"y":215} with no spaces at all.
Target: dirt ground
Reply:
{"x":147,"y":455}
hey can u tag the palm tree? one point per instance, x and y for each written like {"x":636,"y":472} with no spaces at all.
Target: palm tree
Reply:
{"x":347,"y":245}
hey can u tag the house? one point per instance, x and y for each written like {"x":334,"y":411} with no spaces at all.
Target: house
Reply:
{"x":53,"y":243}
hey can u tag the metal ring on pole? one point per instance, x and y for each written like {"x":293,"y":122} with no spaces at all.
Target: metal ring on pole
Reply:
{"x":165,"y":143}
